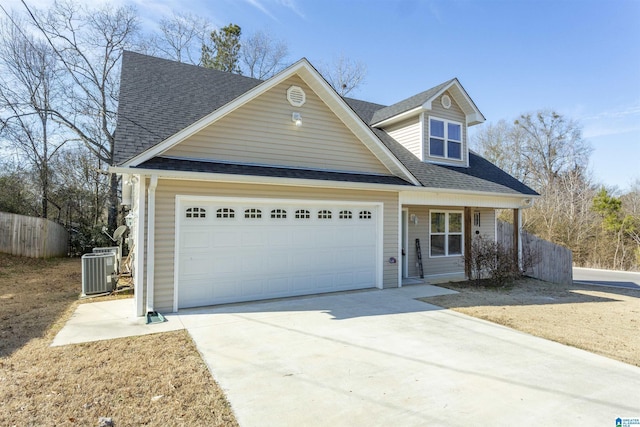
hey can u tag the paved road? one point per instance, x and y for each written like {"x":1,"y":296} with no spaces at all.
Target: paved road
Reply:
{"x":617,"y":279}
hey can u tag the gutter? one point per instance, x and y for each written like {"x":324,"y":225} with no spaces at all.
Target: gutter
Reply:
{"x":151,"y":224}
{"x":247,"y":179}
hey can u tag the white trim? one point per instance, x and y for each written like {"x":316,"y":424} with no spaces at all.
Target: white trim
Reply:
{"x":182,"y":199}
{"x":151,"y":237}
{"x":306,"y":71}
{"x":179,"y":206}
{"x":460,"y":198}
{"x":475,"y":116}
{"x":139,"y":253}
{"x":404,"y":271}
{"x":268,"y":180}
{"x":398,"y":118}
{"x":409,"y":194}
{"x":446,"y":233}
{"x":422,"y":138}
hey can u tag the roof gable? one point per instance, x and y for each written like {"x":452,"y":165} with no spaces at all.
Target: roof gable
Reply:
{"x":230,"y":86}
{"x":423,"y":102}
{"x":261,"y":132}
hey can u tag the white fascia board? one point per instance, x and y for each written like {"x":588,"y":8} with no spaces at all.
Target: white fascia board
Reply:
{"x":473,"y":118}
{"x":398,"y":118}
{"x":249,"y":179}
{"x":434,"y":197}
{"x":217,"y":114}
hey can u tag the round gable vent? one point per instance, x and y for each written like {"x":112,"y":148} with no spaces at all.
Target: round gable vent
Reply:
{"x":446,"y":101}
{"x":296,"y":96}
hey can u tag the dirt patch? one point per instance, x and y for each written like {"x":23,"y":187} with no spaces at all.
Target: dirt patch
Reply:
{"x":150,"y":380}
{"x":598,"y":319}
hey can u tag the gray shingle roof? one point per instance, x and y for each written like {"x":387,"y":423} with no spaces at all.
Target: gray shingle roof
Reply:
{"x":407,"y":104}
{"x":158,"y":98}
{"x":164,"y":163}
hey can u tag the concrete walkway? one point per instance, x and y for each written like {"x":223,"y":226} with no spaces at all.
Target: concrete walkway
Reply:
{"x":382,"y":358}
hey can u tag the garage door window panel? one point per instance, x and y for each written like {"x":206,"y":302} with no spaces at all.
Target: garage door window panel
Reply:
{"x":224,"y":213}
{"x":278,"y":214}
{"x":196,"y":213}
{"x":324,"y":214}
{"x":252,"y":213}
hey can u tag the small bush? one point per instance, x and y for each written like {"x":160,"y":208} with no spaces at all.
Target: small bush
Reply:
{"x":491,"y":260}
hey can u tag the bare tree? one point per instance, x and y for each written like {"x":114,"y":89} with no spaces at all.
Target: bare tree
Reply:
{"x":552,"y":145}
{"x":180,"y":38}
{"x":29,"y":81}
{"x":262,"y":55}
{"x":89,"y":44}
{"x":344,"y":74}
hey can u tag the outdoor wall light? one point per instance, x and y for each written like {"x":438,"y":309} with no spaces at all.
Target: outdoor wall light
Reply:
{"x":297,"y":119}
{"x":129,"y":219}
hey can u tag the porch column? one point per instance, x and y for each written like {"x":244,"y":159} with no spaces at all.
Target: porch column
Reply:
{"x":517,"y":237}
{"x":467,"y":242}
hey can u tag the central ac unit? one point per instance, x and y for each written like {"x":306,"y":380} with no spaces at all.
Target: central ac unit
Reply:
{"x":98,"y":273}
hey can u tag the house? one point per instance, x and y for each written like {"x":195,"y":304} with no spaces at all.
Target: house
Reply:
{"x":242,"y":189}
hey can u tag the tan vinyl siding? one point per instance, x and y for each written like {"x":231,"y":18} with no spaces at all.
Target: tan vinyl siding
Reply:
{"x":432,"y":266}
{"x":167,"y":191}
{"x":262,"y":132}
{"x":454,"y":114}
{"x":409,"y":134}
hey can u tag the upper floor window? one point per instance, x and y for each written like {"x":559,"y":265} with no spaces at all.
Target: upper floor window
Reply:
{"x":445,"y":139}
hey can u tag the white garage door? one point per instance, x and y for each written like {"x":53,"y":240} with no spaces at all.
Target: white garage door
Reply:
{"x":231,"y":251}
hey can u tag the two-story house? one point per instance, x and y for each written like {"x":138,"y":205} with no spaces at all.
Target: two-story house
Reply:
{"x":242,"y":189}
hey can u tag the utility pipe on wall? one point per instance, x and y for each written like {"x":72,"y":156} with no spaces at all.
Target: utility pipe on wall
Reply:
{"x":151,"y":225}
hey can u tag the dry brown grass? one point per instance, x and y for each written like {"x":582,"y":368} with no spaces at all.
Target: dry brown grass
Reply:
{"x":601,"y":320}
{"x":150,"y":380}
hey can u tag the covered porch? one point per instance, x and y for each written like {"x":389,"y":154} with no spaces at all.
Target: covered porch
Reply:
{"x":437,"y":230}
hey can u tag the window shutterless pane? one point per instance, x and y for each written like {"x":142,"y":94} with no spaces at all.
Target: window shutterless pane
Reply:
{"x":455,"y":244}
{"x":437,"y":245}
{"x":437,"y":222}
{"x":436,"y":128}
{"x":455,"y":223}
{"x":454,"y":150}
{"x":454,"y":131}
{"x":436,"y":147}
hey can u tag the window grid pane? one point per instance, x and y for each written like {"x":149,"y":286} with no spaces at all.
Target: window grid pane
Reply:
{"x":436,"y":147}
{"x":454,"y":150}
{"x":454,"y":132}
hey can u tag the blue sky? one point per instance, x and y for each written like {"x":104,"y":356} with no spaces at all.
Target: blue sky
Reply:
{"x":581,"y":58}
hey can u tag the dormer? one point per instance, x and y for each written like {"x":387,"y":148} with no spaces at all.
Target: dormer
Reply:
{"x":433,"y":124}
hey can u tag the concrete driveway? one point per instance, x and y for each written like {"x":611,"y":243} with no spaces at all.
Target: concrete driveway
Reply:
{"x":381,"y":358}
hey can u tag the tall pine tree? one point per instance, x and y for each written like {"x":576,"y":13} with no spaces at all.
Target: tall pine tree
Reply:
{"x":223,"y":51}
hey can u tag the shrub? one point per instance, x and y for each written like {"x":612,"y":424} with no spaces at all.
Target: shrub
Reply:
{"x":491,"y":260}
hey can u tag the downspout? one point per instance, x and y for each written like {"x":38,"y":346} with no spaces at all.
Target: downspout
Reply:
{"x":138,"y":273}
{"x":151,"y":224}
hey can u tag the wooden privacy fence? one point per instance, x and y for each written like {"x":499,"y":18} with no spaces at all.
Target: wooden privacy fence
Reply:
{"x":32,"y":237}
{"x":553,"y":263}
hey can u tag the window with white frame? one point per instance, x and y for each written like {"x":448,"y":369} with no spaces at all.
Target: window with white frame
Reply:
{"x":445,"y":139}
{"x":445,"y":233}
